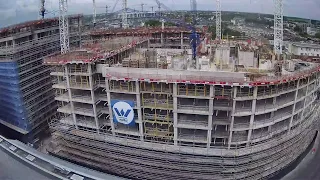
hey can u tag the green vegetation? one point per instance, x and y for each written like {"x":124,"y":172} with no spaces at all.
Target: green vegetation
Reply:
{"x":156,"y":23}
{"x":297,"y":29}
{"x":225,"y":31}
{"x":317,"y":35}
{"x":300,"y":31}
{"x":261,"y":21}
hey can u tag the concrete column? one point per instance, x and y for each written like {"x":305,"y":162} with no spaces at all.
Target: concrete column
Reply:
{"x":109,"y":105}
{"x":210,"y":119}
{"x":93,"y":98}
{"x":253,"y":110}
{"x":235,"y":89}
{"x":294,"y":106}
{"x":181,"y":40}
{"x":138,"y":97}
{"x":274,"y":103}
{"x":162,"y":40}
{"x":66,"y":72}
{"x":304,"y":101}
{"x":175,"y":114}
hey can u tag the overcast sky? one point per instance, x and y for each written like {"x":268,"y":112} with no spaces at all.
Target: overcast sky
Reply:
{"x":15,"y":11}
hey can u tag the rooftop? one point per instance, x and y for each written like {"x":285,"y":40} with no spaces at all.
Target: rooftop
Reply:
{"x":91,"y":52}
{"x":28,"y":24}
{"x":207,"y":76}
{"x":306,"y":45}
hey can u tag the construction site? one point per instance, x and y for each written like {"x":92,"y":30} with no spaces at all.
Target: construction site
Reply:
{"x":158,"y":102}
{"x":26,"y":96}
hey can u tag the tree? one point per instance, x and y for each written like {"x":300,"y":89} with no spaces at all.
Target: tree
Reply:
{"x":156,"y":23}
{"x":297,"y":29}
{"x":317,"y":35}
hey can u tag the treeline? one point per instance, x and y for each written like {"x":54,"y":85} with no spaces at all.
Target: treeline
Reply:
{"x":156,"y":23}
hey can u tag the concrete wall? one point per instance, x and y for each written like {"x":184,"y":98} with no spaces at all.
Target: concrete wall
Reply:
{"x":225,"y":55}
{"x":171,"y":74}
{"x":247,"y":58}
{"x":308,"y":51}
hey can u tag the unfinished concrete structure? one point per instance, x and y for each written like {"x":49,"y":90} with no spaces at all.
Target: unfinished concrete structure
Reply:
{"x":140,"y":118}
{"x":26,"y":96}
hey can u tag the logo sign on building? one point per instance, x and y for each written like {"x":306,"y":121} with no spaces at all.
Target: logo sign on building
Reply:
{"x":123,"y":112}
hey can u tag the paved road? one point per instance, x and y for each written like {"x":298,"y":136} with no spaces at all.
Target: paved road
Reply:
{"x":11,"y":169}
{"x":309,"y":167}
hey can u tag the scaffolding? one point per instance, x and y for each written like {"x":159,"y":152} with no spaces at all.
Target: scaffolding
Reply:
{"x":186,"y":124}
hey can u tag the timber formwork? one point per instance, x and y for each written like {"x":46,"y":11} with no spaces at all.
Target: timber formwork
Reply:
{"x":183,"y":130}
{"x":26,"y":96}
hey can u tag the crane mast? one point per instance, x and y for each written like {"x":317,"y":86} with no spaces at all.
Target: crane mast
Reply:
{"x":278,"y":27}
{"x":94,"y":12}
{"x":42,"y":9}
{"x":64,"y":26}
{"x":218,"y":21}
{"x":124,"y":14}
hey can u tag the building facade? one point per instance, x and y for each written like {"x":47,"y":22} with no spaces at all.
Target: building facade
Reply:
{"x":304,"y":49}
{"x":160,"y":123}
{"x":26,"y":95}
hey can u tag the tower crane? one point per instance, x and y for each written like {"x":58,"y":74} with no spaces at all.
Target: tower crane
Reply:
{"x":94,"y":13}
{"x":124,"y":14}
{"x":163,"y":6}
{"x":142,"y":5}
{"x":42,"y":9}
{"x":64,"y":26}
{"x":278,"y":27}
{"x":194,"y":37}
{"x":218,"y":20}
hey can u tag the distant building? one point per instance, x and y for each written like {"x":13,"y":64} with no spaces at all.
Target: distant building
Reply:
{"x":238,"y":21}
{"x":304,"y":49}
{"x":312,"y":31}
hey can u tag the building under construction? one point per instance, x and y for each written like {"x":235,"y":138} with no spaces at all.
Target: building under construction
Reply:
{"x":128,"y":108}
{"x":26,"y":96}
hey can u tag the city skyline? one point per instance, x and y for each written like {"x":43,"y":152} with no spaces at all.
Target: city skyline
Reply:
{"x":16,"y":11}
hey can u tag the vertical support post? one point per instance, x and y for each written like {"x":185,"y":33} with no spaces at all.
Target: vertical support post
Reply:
{"x":66,"y":72}
{"x":109,"y":103}
{"x":138,"y":97}
{"x":93,"y":97}
{"x":175,"y":114}
{"x":181,"y":40}
{"x":294,"y":105}
{"x":210,"y":117}
{"x":304,"y":103}
{"x":253,"y":110}
{"x":235,"y":89}
{"x":162,"y":40}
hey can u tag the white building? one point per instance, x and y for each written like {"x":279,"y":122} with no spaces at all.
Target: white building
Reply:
{"x":247,"y":58}
{"x":312,"y":31}
{"x":304,"y":49}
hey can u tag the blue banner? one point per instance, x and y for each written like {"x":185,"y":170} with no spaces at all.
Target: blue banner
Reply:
{"x":123,"y":112}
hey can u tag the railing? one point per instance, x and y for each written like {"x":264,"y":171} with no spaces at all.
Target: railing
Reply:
{"x":164,"y":103}
{"x":193,"y":122}
{"x":193,"y":107}
{"x":241,"y":125}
